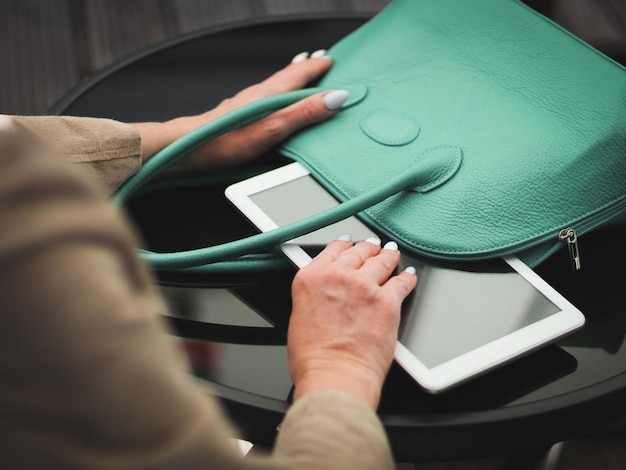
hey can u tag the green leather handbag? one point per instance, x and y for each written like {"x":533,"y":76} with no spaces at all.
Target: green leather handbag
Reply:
{"x":474,"y":129}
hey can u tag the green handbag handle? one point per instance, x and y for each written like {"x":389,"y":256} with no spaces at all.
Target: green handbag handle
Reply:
{"x":433,"y":170}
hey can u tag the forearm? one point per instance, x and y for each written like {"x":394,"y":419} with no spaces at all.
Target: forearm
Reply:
{"x":354,"y":381}
{"x":155,"y":136}
{"x":332,"y":429}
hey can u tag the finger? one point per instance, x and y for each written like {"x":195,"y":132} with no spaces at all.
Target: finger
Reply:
{"x":402,"y":284}
{"x":356,"y":256}
{"x":298,"y":74}
{"x":306,"y":112}
{"x":334,"y":249}
{"x":268,"y":132}
{"x":292,"y":77}
{"x":305,"y":55}
{"x":381,"y":266}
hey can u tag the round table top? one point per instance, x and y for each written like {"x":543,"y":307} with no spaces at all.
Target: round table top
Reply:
{"x":558,"y":392}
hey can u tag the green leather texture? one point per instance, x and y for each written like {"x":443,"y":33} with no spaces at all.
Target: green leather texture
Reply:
{"x":539,"y":116}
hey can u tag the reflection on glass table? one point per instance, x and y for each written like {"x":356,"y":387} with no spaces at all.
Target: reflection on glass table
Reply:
{"x":253,"y":368}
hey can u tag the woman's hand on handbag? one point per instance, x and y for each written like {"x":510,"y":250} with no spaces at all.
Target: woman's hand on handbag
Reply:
{"x":345,"y":318}
{"x":253,"y":140}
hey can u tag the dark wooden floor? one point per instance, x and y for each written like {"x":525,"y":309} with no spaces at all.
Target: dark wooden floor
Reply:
{"x":48,"y":46}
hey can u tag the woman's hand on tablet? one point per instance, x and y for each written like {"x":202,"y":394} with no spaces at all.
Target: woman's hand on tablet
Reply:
{"x":345,"y":318}
{"x":251,"y":141}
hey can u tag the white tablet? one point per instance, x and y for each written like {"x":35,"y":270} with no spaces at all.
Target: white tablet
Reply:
{"x":457,"y":324}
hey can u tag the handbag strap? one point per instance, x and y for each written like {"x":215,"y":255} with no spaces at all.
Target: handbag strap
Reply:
{"x":433,"y":169}
{"x":204,"y":134}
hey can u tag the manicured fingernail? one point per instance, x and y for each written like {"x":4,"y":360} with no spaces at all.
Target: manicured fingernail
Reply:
{"x":373,"y":241}
{"x":300,"y":57}
{"x":411,"y":270}
{"x":319,"y":54}
{"x":335,"y":99}
{"x":345,"y":237}
{"x":390,"y":246}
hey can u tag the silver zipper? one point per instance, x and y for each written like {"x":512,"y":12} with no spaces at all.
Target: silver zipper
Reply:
{"x":568,"y":235}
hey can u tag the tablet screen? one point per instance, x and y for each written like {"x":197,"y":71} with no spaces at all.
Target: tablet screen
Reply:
{"x":454,"y":312}
{"x":299,"y":198}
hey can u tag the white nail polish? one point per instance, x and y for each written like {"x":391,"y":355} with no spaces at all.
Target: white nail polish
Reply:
{"x":411,"y":270}
{"x":345,"y":237}
{"x":319,"y":53}
{"x":373,"y":241}
{"x":335,"y":99}
{"x":391,"y":246}
{"x":300,"y":57}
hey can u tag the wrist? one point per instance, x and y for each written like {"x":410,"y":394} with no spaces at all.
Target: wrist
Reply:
{"x":362,"y":385}
{"x":155,"y":136}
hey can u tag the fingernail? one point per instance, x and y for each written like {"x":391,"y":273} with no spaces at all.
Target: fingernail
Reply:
{"x":390,"y":246}
{"x":300,"y":57}
{"x":335,"y":99}
{"x":319,"y":54}
{"x":411,"y":270}
{"x":345,"y":237}
{"x":373,"y":241}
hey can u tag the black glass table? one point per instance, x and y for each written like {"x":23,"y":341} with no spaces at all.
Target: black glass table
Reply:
{"x":561,"y":391}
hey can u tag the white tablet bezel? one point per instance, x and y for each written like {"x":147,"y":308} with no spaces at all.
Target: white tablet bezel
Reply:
{"x":239,"y":194}
{"x":461,"y":368}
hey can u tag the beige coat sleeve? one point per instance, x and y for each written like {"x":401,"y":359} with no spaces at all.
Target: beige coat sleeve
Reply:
{"x":90,"y":377}
{"x":109,"y":151}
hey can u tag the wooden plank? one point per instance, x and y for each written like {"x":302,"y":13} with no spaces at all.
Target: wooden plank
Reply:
{"x":601,"y":23}
{"x":196,"y":14}
{"x":38,"y":55}
{"x":282,"y":7}
{"x":118,"y":27}
{"x":193,"y":15}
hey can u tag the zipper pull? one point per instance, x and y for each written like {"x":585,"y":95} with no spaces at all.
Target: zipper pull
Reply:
{"x":568,"y":235}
